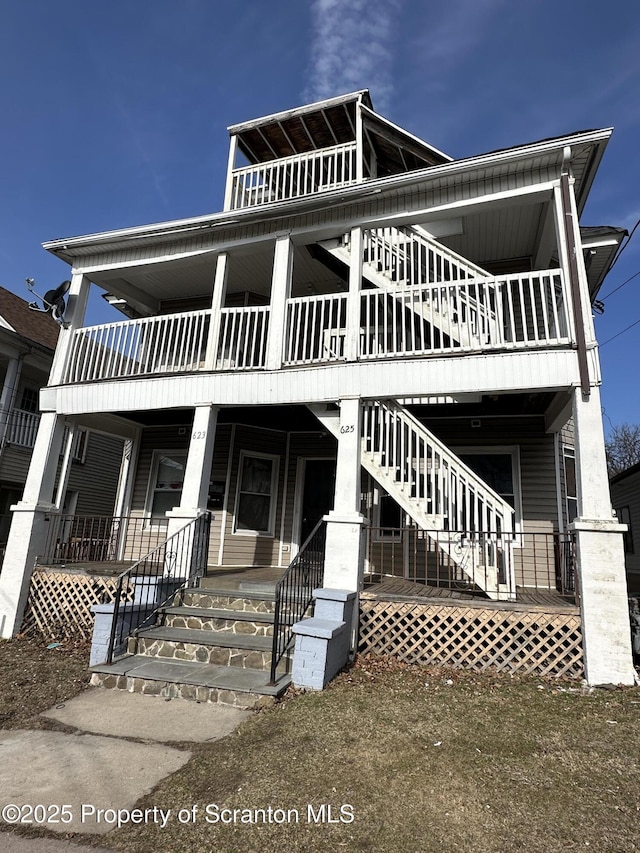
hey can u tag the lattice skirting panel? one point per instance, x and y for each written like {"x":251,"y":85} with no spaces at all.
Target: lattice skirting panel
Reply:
{"x":59,"y":604}
{"x":460,"y":636}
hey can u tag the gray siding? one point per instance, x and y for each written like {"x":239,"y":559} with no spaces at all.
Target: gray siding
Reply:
{"x":626,"y":493}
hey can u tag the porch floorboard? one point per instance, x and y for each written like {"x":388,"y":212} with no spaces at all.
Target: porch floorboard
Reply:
{"x":399,"y":589}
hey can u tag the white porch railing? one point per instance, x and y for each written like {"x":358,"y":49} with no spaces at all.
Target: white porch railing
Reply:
{"x":315,"y":329}
{"x":23,"y":428}
{"x":293,"y":177}
{"x":172,"y":343}
{"x":243,"y":338}
{"x":503,"y":313}
{"x":522,"y":311}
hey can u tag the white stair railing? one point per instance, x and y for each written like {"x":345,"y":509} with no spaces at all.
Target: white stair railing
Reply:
{"x":410,"y":256}
{"x":469,"y":520}
{"x":463,"y":516}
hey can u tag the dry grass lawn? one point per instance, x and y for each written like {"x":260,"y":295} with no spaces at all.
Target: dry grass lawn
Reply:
{"x":427,"y":760}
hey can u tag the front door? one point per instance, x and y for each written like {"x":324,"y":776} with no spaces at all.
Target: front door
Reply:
{"x":317,"y":496}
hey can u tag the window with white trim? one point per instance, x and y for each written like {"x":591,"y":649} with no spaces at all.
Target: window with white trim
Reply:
{"x":255,"y":509}
{"x":165,"y":482}
{"x":570,"y":486}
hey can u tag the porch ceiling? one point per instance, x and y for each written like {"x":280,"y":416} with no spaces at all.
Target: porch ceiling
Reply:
{"x":490,"y":236}
{"x":146,"y":286}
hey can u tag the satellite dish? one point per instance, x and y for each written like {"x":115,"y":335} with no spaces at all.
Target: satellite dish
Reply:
{"x":53,"y":300}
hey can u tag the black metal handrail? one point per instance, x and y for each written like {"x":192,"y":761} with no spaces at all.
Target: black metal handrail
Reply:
{"x":146,"y":586}
{"x":294,"y":592}
{"x":100,"y":538}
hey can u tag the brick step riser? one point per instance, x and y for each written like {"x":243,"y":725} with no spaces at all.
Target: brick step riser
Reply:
{"x":226,"y":626}
{"x":217,"y":601}
{"x":174,"y":650}
{"x":173,"y":690}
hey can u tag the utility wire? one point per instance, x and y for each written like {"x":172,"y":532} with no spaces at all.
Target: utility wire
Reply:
{"x":624,"y":245}
{"x":620,"y":286}
{"x":620,"y":333}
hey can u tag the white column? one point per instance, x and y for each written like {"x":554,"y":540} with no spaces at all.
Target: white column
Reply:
{"x":9,"y":388}
{"x":344,"y":544}
{"x":280,"y":292}
{"x":228,"y":193}
{"x":197,"y":474}
{"x":599,"y":554}
{"x":29,"y":526}
{"x":359,"y":144}
{"x":65,"y":468}
{"x":352,"y":340}
{"x":73,"y":319}
{"x":217,"y":303}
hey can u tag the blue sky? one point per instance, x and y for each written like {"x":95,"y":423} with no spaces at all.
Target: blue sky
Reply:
{"x":115,"y":114}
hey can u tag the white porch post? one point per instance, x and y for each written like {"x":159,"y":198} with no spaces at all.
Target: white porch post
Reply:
{"x":344,"y":549}
{"x":28,"y":533}
{"x":195,"y":488}
{"x":280,"y":292}
{"x":352,"y":340}
{"x":217,"y":302}
{"x":65,"y":468}
{"x":228,"y":192}
{"x":600,"y":554}
{"x":9,"y":389}
{"x":74,"y":318}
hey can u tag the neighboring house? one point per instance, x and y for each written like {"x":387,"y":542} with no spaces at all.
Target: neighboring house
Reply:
{"x":372,"y":333}
{"x":625,"y":496}
{"x":28,"y":341}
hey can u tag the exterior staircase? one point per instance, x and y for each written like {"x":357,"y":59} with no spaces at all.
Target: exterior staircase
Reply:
{"x":469,"y":521}
{"x":428,"y":285}
{"x":211,"y":643}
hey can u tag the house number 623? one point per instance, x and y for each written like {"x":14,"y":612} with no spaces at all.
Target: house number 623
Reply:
{"x":347,"y":428}
{"x":198,"y":434}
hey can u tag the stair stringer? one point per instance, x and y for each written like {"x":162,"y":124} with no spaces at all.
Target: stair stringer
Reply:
{"x":440,"y":312}
{"x":467,"y":556}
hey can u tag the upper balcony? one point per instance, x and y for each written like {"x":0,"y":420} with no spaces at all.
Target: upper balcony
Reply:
{"x":418,"y":299}
{"x":323,"y":146}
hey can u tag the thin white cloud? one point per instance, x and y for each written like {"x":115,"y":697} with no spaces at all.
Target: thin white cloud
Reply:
{"x":454,"y":29}
{"x":352,"y":48}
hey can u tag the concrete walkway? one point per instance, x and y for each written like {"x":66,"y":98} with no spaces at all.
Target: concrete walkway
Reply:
{"x":121,"y":748}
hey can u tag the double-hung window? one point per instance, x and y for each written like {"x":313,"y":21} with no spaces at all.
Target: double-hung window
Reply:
{"x":256,"y":494}
{"x":165,"y":483}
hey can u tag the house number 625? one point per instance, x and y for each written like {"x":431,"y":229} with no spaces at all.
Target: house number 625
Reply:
{"x":347,"y":428}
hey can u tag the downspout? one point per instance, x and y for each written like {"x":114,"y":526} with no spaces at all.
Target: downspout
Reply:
{"x":574,"y":279}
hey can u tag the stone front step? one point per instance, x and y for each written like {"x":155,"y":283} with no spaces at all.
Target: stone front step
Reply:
{"x":201,"y":682}
{"x":237,"y":621}
{"x":194,"y":644}
{"x":219,"y":598}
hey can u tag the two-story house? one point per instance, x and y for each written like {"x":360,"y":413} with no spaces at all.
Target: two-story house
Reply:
{"x":28,"y":341}
{"x":370,"y":335}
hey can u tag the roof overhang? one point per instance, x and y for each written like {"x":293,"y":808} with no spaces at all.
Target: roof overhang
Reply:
{"x":586,"y":152}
